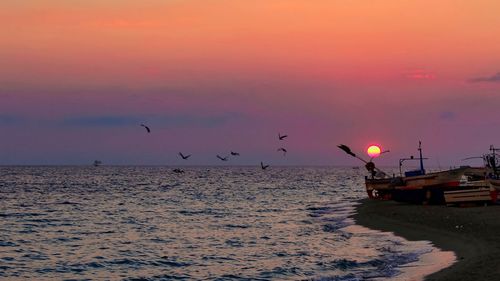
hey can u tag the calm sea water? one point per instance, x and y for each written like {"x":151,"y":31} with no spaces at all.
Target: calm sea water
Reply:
{"x":147,"y":223}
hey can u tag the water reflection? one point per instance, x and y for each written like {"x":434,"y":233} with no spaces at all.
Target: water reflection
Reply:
{"x":206,"y":224}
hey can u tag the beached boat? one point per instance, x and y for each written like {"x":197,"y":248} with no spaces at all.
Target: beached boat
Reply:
{"x":481,"y":185}
{"x":473,"y":188}
{"x":491,"y":163}
{"x":415,"y":186}
{"x":425,"y":187}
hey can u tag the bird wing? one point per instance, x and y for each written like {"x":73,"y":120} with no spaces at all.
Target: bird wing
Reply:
{"x":346,"y":149}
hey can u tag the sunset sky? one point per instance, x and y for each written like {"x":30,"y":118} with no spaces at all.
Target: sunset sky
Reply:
{"x":78,"y":77}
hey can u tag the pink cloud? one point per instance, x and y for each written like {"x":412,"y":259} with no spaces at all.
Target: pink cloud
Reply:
{"x":420,"y":74}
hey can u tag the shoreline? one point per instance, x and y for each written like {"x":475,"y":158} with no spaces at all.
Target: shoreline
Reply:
{"x":473,"y":234}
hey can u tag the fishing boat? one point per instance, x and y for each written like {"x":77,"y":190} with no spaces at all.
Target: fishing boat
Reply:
{"x":97,"y":163}
{"x":420,"y":188}
{"x":416,"y":186}
{"x":491,"y":163}
{"x":481,"y":184}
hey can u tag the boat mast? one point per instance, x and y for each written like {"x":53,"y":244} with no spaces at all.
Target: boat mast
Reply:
{"x":421,"y":158}
{"x":493,"y":161}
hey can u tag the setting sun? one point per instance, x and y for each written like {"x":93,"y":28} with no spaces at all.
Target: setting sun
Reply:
{"x":373,"y":151}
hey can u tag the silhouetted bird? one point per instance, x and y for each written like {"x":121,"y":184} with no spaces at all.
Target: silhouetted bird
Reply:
{"x":235,"y":153}
{"x":346,"y":149}
{"x":184,"y":156}
{"x":282,"y":149}
{"x":281,"y":137}
{"x":147,"y":128}
{"x":178,"y":171}
{"x":222,"y":158}
{"x":263,"y":166}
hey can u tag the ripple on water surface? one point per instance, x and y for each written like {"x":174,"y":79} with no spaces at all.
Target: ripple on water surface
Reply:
{"x":146,"y":223}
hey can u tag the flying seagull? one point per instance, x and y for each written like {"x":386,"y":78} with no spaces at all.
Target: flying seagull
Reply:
{"x":235,"y":153}
{"x":263,"y":166}
{"x":281,"y":137}
{"x":222,"y":158}
{"x":147,"y":128}
{"x":346,"y":149}
{"x":184,"y":156}
{"x":282,"y":149}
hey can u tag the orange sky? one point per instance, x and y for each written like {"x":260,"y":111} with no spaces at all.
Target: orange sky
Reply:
{"x":329,"y":37}
{"x":313,"y":54}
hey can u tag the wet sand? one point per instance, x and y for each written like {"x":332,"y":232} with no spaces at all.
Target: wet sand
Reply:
{"x":473,"y":233}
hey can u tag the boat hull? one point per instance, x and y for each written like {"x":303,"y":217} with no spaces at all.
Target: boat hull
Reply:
{"x":494,"y":185}
{"x":470,"y":194}
{"x":427,"y":188}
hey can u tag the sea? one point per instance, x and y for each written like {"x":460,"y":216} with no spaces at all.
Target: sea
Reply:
{"x":209,"y":223}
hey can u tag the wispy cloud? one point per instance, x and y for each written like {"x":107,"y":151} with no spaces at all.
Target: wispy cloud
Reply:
{"x":125,"y":23}
{"x":101,"y":121}
{"x":10,"y":120}
{"x":494,"y":78}
{"x":180,"y":120}
{"x":447,"y":115}
{"x":420,"y":74}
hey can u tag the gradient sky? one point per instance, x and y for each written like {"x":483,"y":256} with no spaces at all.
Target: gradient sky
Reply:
{"x":209,"y":76}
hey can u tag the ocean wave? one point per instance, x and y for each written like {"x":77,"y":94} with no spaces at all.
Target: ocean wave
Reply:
{"x":143,"y":223}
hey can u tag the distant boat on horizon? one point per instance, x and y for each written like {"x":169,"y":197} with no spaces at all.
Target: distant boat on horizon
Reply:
{"x":97,"y":163}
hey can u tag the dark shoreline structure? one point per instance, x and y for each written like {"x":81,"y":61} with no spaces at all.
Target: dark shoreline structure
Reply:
{"x":472,"y":233}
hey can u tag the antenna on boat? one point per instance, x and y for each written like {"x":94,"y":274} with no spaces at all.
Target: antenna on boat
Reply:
{"x":421,"y":159}
{"x":473,"y":157}
{"x":492,"y":160}
{"x":401,"y":164}
{"x":493,"y":149}
{"x":385,"y":151}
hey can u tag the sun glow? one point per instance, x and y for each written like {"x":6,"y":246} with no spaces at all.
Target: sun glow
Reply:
{"x":373,"y":151}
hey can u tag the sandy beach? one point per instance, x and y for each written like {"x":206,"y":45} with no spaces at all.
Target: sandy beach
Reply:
{"x":473,"y":233}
